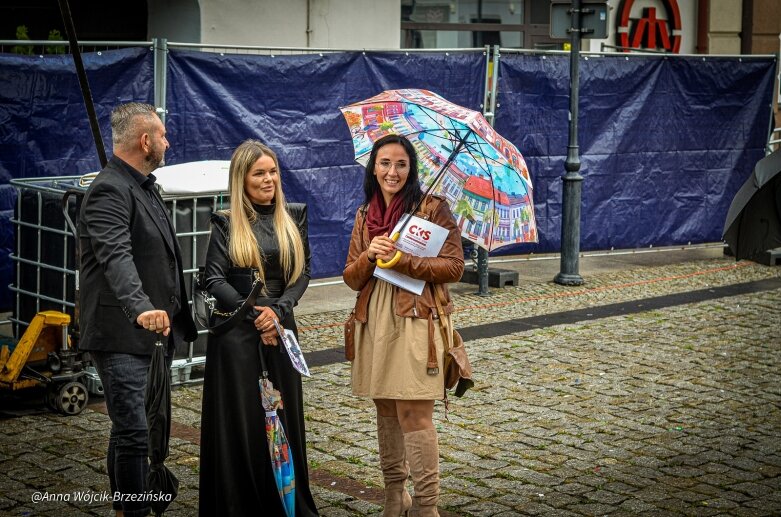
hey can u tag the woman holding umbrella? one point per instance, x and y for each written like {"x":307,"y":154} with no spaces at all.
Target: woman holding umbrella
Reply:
{"x":260,"y":238}
{"x":398,"y":348}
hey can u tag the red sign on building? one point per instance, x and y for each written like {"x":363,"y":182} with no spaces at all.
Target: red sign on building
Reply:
{"x":649,"y":32}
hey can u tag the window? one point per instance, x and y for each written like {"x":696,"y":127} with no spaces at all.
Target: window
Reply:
{"x":476,"y":23}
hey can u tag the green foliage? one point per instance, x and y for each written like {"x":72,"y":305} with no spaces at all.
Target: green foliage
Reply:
{"x":21,"y":34}
{"x":54,"y":35}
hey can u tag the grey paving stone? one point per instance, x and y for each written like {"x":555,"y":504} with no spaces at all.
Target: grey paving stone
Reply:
{"x":560,"y":500}
{"x":636,"y":506}
{"x":486,"y":509}
{"x":337,"y":512}
{"x":456,"y":500}
{"x":750,"y":512}
{"x":605,"y":497}
{"x":593,"y":509}
{"x":363,"y":507}
{"x":754,"y":490}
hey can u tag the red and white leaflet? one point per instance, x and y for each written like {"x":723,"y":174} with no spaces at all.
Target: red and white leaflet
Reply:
{"x":421,"y":238}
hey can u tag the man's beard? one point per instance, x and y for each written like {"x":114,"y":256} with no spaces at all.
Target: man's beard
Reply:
{"x":154,"y":158}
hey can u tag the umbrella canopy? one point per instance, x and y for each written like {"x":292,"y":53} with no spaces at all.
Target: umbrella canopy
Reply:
{"x":157,"y":401}
{"x":460,"y":157}
{"x":278,"y":447}
{"x":753,"y":223}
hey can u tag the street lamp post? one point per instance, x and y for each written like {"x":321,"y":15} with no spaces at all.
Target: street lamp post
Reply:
{"x":573,"y":181}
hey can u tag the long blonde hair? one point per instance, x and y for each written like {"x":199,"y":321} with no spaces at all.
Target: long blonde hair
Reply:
{"x":243,"y":246}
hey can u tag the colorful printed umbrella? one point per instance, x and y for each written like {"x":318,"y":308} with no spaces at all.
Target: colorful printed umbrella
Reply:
{"x":278,"y":447}
{"x":460,"y":157}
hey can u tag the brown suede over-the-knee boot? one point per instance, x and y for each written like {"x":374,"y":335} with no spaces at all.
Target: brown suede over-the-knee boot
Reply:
{"x":423,"y":458}
{"x":394,"y":466}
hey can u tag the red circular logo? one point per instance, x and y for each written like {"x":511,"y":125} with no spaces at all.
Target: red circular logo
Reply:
{"x":649,"y":32}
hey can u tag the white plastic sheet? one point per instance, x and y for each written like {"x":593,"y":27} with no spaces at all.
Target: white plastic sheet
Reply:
{"x":202,"y":177}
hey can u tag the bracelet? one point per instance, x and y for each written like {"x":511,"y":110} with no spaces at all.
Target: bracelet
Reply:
{"x":370,"y":260}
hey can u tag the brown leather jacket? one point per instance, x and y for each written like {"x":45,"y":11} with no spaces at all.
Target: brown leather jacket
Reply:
{"x":447,"y":267}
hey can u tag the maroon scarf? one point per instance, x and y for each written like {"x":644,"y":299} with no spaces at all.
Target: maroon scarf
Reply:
{"x":379,"y":219}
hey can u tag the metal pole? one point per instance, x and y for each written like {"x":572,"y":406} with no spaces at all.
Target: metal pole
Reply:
{"x":489,"y":112}
{"x":482,"y":272}
{"x":573,"y":181}
{"x":489,"y":103}
{"x":160,"y":54}
{"x":19,"y":216}
{"x":70,"y":30}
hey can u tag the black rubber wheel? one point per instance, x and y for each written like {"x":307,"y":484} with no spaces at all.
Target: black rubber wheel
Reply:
{"x":72,"y":398}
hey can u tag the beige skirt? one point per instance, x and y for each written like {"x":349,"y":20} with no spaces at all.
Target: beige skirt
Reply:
{"x":391,"y":353}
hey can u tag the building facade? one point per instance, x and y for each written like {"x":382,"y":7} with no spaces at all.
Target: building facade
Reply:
{"x":678,"y":26}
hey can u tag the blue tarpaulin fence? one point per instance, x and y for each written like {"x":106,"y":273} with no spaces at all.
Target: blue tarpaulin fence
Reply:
{"x":292,"y":105}
{"x":44,"y":129}
{"x":665,"y":142}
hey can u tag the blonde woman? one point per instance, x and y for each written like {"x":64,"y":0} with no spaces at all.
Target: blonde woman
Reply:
{"x":260,"y":236}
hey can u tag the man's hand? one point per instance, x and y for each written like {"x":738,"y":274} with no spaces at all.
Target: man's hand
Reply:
{"x":156,"y":321}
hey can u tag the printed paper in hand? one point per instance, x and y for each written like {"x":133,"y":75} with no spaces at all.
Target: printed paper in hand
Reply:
{"x":288,"y":339}
{"x":421,"y":238}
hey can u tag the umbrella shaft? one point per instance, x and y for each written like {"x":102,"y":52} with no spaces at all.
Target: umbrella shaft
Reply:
{"x":438,"y":176}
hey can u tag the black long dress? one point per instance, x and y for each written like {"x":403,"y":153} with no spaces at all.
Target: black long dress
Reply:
{"x":235,"y":475}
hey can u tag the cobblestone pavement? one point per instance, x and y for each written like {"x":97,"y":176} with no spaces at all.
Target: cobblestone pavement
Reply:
{"x":674,"y":411}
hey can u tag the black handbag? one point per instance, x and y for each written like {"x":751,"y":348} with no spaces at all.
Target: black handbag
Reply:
{"x":205,"y":305}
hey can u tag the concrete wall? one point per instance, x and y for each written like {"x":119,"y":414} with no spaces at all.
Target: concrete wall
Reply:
{"x":332,"y":23}
{"x":254,"y":22}
{"x":355,"y":24}
{"x":724,"y":26}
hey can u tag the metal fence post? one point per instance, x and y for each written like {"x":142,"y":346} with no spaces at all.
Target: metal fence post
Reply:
{"x":160,"y":53}
{"x":489,"y":112}
{"x":573,"y":181}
